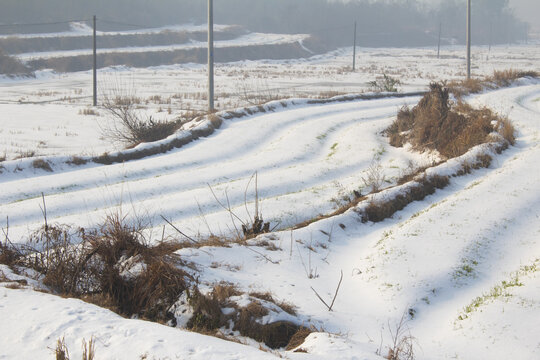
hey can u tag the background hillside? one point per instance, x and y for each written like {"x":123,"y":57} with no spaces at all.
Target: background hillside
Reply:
{"x":388,"y":23}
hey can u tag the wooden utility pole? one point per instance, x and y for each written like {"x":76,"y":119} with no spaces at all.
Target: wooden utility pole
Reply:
{"x":354,"y":50}
{"x":95,"y":65}
{"x":439,"y":43}
{"x":468,"y":39}
{"x":210,"y":55}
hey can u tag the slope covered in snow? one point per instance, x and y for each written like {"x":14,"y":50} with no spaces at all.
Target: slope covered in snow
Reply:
{"x":462,"y":264}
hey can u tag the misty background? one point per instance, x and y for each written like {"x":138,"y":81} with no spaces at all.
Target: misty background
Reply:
{"x":379,"y":23}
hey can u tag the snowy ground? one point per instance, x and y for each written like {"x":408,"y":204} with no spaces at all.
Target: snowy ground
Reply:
{"x":432,"y":260}
{"x":46,"y":115}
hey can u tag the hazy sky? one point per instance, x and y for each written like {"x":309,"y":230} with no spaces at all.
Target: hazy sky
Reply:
{"x":528,"y":10}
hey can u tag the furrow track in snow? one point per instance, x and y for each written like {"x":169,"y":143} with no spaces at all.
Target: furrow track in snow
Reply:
{"x":304,"y":156}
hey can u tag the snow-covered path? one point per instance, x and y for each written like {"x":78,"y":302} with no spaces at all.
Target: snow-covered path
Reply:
{"x":305,"y":157}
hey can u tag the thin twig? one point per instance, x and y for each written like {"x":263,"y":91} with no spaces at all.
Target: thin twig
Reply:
{"x":180,"y":232}
{"x":264,"y":256}
{"x":337,"y":289}
{"x":335,"y":295}
{"x":320,"y":298}
{"x":221,"y":204}
{"x":245,"y":196}
{"x":44,"y":211}
{"x":204,"y":217}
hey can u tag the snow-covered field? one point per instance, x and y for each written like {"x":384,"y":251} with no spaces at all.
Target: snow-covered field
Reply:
{"x":475,"y":242}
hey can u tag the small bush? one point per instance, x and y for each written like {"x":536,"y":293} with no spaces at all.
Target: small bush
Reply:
{"x":128,"y":125}
{"x":436,"y":124}
{"x":385,"y":83}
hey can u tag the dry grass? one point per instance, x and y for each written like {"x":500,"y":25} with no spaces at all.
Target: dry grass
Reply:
{"x":76,"y":160}
{"x":437,"y":124}
{"x":42,"y":164}
{"x":61,"y":350}
{"x":377,"y":211}
{"x":112,"y":266}
{"x":507,"y":130}
{"x":500,"y":78}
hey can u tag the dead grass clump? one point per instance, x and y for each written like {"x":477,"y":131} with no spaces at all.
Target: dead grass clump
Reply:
{"x":466,"y":87}
{"x":500,"y":78}
{"x":88,"y":112}
{"x":89,"y":350}
{"x":207,"y":314}
{"x":61,"y":350}
{"x":138,"y":278}
{"x":507,"y":130}
{"x":377,"y":211}
{"x":267,"y":296}
{"x":112,"y":266}
{"x":215,"y":120}
{"x":76,"y":160}
{"x":481,"y":161}
{"x":436,"y":124}
{"x":247,"y":320}
{"x":298,"y":338}
{"x":25,"y":154}
{"x":503,"y":78}
{"x":42,"y":164}
{"x":275,"y":335}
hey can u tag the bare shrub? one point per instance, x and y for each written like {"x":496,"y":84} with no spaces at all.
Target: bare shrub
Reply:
{"x":113,"y":266}
{"x":386,"y":83}
{"x":256,"y":93}
{"x":128,"y":125}
{"x":375,"y":177}
{"x":249,"y":228}
{"x":402,"y":342}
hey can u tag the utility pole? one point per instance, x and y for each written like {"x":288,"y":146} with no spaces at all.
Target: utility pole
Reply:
{"x":95,"y":64}
{"x":439,"y":43}
{"x":354,"y":50}
{"x":210,"y":56}
{"x":468,"y":39}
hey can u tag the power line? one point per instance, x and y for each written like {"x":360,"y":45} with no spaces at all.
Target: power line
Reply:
{"x":124,"y":24}
{"x":45,"y":23}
